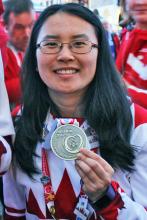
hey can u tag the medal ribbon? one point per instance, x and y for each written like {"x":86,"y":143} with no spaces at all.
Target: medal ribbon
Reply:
{"x":49,"y":194}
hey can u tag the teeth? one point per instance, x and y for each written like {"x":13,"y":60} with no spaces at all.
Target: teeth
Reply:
{"x":66,"y":71}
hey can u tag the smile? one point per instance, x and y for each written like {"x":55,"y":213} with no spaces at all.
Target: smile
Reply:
{"x":66,"y":71}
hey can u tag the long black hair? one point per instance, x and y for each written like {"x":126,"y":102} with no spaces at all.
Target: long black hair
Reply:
{"x":107,"y":108}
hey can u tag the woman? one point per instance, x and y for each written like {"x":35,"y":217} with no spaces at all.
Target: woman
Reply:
{"x":76,"y":142}
{"x":132,"y":56}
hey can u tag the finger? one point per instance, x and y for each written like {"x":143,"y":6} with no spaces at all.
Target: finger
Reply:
{"x":92,"y":188}
{"x":94,"y":156}
{"x":80,"y":171}
{"x":95,"y":166}
{"x":90,"y":183}
{"x":91,"y":169}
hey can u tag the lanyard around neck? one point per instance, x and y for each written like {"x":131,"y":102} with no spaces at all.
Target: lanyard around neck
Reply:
{"x":49,"y":194}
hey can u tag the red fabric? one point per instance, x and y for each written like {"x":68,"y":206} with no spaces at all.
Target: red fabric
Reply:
{"x":15,"y":111}
{"x":132,"y":43}
{"x":141,"y":115}
{"x":1,"y":7}
{"x":138,"y":97}
{"x":3,"y":41}
{"x":70,"y":201}
{"x":12,"y":78}
{"x":111,"y":211}
{"x":116,"y":43}
{"x":33,"y":207}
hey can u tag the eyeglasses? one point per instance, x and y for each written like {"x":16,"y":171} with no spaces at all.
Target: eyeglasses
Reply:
{"x":76,"y":46}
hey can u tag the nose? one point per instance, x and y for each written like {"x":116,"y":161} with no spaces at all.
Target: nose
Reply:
{"x":27,"y":31}
{"x":65,"y":54}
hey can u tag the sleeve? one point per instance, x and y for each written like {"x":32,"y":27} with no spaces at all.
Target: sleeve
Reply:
{"x":134,"y":207}
{"x":121,"y":208}
{"x":14,"y":197}
{"x":5,"y":156}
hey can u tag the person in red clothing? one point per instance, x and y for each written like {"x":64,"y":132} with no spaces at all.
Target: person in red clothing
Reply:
{"x":132,"y":56}
{"x":18,"y":18}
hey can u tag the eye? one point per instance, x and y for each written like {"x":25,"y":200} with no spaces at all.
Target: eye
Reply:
{"x":79,"y":44}
{"x":50,"y":44}
{"x":19,"y":27}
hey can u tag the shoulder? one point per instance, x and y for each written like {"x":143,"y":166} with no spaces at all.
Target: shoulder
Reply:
{"x":139,"y":130}
{"x":139,"y":115}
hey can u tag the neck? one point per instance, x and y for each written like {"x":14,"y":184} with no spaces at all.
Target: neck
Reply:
{"x":142,"y":26}
{"x":69,"y":105}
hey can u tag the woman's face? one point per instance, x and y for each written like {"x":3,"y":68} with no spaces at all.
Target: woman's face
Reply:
{"x":66,"y":72}
{"x":138,"y":10}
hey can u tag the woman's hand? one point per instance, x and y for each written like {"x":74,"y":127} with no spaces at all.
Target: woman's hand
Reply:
{"x":95,"y":173}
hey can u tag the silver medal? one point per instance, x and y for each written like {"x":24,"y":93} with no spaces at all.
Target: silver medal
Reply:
{"x":67,"y":140}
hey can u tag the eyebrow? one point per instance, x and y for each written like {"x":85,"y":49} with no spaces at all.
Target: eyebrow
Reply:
{"x":73,"y":37}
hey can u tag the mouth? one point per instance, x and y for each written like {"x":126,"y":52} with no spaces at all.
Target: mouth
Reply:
{"x":140,"y":10}
{"x":66,"y":71}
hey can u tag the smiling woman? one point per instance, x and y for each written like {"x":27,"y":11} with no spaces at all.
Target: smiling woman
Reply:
{"x":65,"y":70}
{"x":73,"y":156}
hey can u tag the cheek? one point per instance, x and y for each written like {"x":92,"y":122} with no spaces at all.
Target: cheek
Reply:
{"x":41,"y":61}
{"x":43,"y":67}
{"x":91,"y":64}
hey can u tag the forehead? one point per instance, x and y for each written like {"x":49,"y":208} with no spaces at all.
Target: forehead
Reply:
{"x":63,"y":25}
{"x":22,"y":18}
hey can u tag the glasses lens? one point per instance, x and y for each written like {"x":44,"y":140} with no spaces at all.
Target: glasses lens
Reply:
{"x":50,"y":46}
{"x":80,"y":46}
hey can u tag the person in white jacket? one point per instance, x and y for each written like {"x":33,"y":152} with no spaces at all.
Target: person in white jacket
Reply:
{"x":6,"y":125}
{"x":81,"y":146}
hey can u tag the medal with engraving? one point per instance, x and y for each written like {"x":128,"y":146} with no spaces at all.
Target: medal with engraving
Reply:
{"x":67,"y":140}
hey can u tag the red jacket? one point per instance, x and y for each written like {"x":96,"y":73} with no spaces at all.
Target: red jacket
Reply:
{"x":12,"y":78}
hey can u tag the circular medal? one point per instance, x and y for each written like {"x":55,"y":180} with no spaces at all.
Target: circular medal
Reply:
{"x":67,"y":140}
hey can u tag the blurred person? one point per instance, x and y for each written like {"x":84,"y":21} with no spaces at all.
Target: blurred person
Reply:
{"x":125,"y":19}
{"x":81,"y":146}
{"x":18,"y":18}
{"x":132,"y":56}
{"x":113,"y":37}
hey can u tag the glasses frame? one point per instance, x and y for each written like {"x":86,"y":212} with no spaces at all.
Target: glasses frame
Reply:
{"x":92,"y":45}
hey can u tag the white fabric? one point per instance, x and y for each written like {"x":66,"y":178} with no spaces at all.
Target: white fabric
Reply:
{"x":20,"y":188}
